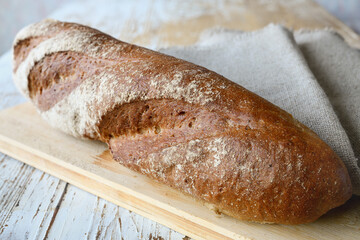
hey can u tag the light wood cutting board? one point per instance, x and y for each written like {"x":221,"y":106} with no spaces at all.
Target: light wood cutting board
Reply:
{"x":88,"y":165}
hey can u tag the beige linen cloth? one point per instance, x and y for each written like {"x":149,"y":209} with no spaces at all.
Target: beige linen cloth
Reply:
{"x":314,"y":75}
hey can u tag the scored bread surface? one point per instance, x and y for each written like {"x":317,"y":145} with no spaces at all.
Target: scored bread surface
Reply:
{"x":180,"y":124}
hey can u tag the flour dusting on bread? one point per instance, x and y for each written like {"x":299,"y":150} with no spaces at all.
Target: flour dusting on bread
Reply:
{"x":180,"y":124}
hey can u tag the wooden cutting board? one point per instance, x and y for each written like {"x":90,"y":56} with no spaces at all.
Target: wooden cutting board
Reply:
{"x":88,"y":165}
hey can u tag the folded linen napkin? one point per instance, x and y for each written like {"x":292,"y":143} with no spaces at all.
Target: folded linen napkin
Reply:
{"x":310,"y":84}
{"x":336,"y":66}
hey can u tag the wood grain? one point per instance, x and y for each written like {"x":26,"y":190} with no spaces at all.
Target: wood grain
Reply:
{"x":14,"y":196}
{"x":86,"y":164}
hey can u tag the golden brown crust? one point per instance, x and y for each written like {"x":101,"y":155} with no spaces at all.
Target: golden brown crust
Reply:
{"x":261,"y":176}
{"x":185,"y":126}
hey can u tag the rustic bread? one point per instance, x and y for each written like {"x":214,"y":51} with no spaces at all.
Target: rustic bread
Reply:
{"x":180,"y":124}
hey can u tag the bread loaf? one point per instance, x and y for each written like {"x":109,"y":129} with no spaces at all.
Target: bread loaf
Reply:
{"x":180,"y":124}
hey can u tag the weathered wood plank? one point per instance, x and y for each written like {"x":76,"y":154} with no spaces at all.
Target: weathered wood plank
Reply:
{"x":28,"y":200}
{"x":81,"y":215}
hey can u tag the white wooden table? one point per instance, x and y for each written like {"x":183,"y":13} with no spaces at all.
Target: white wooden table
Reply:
{"x":35,"y":205}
